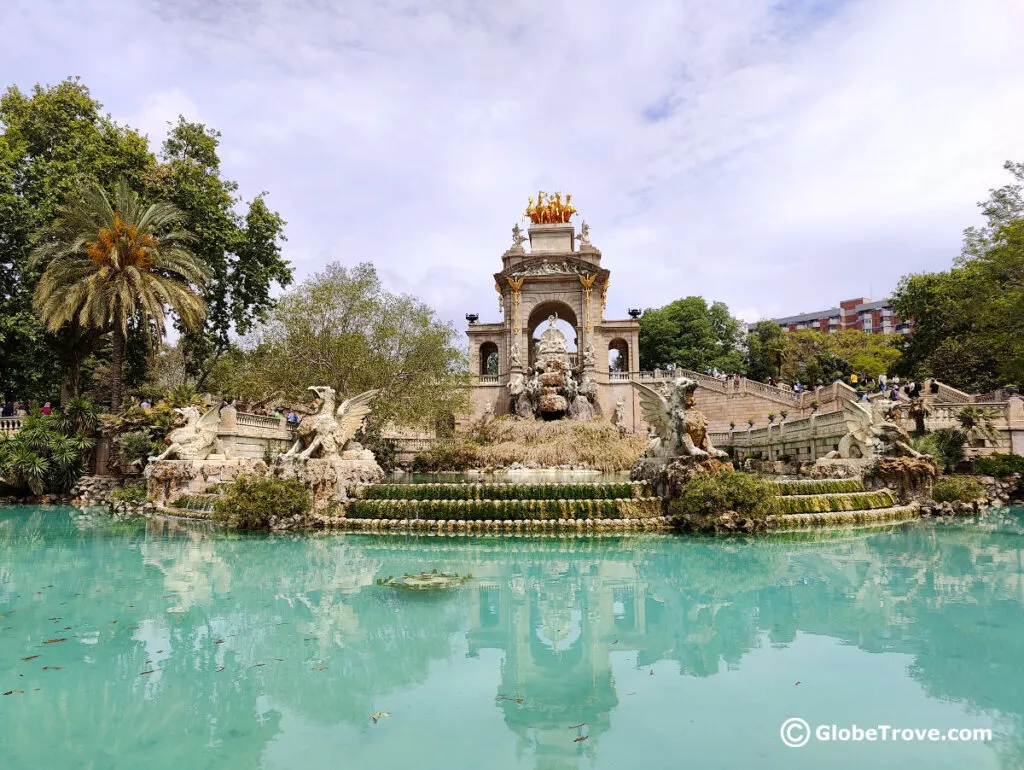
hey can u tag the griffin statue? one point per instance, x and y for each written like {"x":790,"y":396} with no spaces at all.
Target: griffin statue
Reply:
{"x":873,"y":432}
{"x":195,"y":439}
{"x":680,"y":430}
{"x":325,"y":433}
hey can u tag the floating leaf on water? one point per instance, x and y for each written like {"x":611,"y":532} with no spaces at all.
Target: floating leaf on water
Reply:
{"x":30,"y":657}
{"x":54,"y":641}
{"x":159,"y":651}
{"x":221,"y":668}
{"x":426,"y":581}
{"x":219,"y":641}
{"x":149,"y":671}
{"x":257,"y":665}
{"x":53,"y":668}
{"x":379,"y":715}
{"x":580,"y":739}
{"x":577,"y":727}
{"x":53,"y":618}
{"x":652,"y":672}
{"x":320,"y":668}
{"x":797,"y":684}
{"x":15,"y":692}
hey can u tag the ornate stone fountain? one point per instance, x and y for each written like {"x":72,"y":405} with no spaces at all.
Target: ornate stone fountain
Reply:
{"x":551,"y":390}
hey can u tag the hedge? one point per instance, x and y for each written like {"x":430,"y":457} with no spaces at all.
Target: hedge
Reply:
{"x":819,"y":487}
{"x":600,"y":491}
{"x":471,"y":510}
{"x":857,"y":501}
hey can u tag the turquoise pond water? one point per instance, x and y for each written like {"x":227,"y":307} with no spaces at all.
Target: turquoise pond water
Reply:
{"x":184,"y":647}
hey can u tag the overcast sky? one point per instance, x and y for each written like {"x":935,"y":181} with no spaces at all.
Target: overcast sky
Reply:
{"x":776,"y":156}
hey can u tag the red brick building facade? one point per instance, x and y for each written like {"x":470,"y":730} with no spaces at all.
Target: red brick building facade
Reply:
{"x":860,"y":313}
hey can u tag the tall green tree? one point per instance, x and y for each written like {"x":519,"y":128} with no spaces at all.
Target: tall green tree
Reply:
{"x":111,"y":263}
{"x":240,"y":243}
{"x":816,"y":358}
{"x":691,"y":334}
{"x":969,"y":320}
{"x":765,"y":347}
{"x":342,"y":328}
{"x":53,"y":141}
{"x":56,"y":140}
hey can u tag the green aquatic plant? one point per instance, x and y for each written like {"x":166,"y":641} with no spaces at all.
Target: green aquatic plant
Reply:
{"x":426,"y":581}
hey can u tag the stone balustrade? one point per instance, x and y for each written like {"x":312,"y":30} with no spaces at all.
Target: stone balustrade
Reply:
{"x":806,"y":438}
{"x":10,"y":425}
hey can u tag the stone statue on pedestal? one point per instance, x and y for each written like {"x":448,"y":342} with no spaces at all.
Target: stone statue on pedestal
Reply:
{"x":681,"y":431}
{"x":517,"y":237}
{"x":196,"y":439}
{"x":584,"y":235}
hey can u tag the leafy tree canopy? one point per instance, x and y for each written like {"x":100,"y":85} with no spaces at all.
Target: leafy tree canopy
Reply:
{"x":691,"y":334}
{"x":969,"y":320}
{"x":765,"y":347}
{"x":55,"y":142}
{"x":341,"y":328}
{"x":816,"y":358}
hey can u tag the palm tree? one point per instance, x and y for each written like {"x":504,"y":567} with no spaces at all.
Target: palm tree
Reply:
{"x":979,"y":423}
{"x":111,"y":263}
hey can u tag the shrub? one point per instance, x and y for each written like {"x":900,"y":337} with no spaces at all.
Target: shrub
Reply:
{"x":949,"y":442}
{"x":999,"y":464}
{"x":250,"y":502}
{"x":133,"y":449}
{"x":128,"y":493}
{"x":744,"y":493}
{"x":41,"y":457}
{"x":957,"y":489}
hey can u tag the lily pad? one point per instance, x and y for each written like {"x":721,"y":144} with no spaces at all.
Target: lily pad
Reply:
{"x":426,"y":581}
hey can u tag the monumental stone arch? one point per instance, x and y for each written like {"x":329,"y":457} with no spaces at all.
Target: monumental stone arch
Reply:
{"x":551,"y":270}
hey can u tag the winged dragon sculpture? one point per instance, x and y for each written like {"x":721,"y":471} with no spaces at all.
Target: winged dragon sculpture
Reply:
{"x":195,"y":439}
{"x":680,"y":430}
{"x":873,"y":432}
{"x":325,"y":433}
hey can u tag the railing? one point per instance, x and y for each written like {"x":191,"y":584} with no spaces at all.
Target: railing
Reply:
{"x":10,"y":425}
{"x":261,"y":421}
{"x":618,"y":376}
{"x":491,"y":378}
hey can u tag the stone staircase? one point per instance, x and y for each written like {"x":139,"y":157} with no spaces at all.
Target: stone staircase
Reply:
{"x":836,"y":502}
{"x":494,"y":507}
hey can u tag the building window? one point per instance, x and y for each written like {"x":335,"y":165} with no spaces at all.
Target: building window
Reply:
{"x":489,"y":361}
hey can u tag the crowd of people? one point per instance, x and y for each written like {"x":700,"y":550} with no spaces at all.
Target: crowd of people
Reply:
{"x":21,"y":409}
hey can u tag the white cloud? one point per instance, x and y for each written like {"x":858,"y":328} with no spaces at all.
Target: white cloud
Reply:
{"x":777,"y":157}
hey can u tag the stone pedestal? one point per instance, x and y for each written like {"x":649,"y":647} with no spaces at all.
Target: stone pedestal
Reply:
{"x":167,"y":480}
{"x":667,"y":476}
{"x":556,"y":237}
{"x":328,"y":478}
